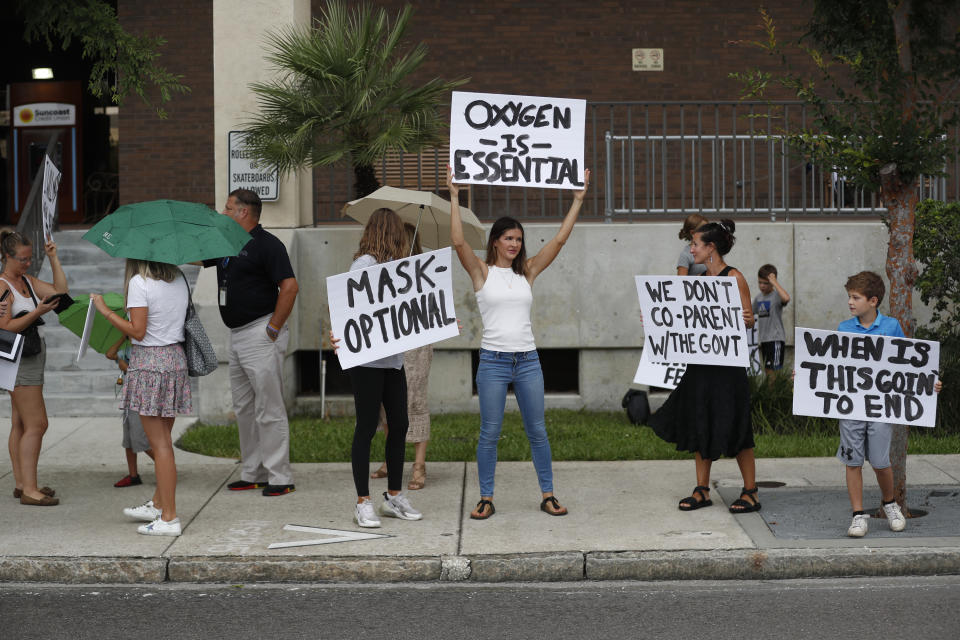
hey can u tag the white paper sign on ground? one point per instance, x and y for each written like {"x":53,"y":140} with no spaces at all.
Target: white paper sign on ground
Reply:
{"x":392,"y":307}
{"x":48,"y":198}
{"x":522,"y":141}
{"x":861,"y":377}
{"x":336,"y":535}
{"x":692,"y":319}
{"x":87,"y":328}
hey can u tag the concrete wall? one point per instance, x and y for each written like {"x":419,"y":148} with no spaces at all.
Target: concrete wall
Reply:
{"x":585,"y":300}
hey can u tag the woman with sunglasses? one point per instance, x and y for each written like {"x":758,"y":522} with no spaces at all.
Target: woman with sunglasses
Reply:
{"x":26,"y":296}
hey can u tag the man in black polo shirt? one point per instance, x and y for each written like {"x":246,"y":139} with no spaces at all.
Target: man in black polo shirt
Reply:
{"x":256,"y":292}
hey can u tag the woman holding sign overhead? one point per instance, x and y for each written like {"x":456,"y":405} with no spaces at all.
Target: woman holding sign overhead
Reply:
{"x":380,"y":382}
{"x":504,"y":287}
{"x":708,"y":414}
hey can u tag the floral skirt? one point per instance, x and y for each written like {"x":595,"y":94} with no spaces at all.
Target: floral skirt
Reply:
{"x":157,"y":383}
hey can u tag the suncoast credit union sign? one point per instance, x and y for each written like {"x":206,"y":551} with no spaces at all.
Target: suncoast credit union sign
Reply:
{"x":45,"y":114}
{"x":247,"y":173}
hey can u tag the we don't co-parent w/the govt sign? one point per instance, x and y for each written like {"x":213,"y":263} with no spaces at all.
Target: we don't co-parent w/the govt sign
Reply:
{"x":522,"y":141}
{"x":392,"y":307}
{"x":864,"y":377}
{"x":694,"y":320}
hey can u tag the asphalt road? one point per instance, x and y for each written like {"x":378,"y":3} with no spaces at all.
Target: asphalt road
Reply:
{"x":843,"y":608}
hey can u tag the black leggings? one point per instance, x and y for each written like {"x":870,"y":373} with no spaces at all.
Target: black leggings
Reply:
{"x":371,"y":388}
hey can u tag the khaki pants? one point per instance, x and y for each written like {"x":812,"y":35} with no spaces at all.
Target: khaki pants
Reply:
{"x":256,"y":381}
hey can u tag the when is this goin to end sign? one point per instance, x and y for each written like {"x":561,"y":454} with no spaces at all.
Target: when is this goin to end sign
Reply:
{"x":392,"y":307}
{"x":863,"y":377}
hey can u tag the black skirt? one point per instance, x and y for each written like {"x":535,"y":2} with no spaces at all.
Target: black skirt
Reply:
{"x":708,"y":413}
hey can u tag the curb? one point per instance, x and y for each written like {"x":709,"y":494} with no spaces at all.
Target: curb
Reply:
{"x":83,"y":570}
{"x":572,"y":566}
{"x":773,"y":564}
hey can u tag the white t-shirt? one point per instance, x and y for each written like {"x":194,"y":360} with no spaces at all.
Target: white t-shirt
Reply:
{"x":166,"y":304}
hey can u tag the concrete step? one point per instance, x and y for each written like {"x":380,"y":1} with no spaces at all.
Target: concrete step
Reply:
{"x":74,"y":404}
{"x":64,"y":359}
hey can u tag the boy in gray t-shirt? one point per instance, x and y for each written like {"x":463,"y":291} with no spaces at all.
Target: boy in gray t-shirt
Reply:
{"x":767,"y":309}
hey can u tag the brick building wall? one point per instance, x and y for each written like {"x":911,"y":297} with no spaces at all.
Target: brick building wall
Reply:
{"x":579,"y":49}
{"x":171,"y":158}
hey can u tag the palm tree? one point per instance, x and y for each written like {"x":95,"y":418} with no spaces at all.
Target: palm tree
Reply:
{"x":341,"y":93}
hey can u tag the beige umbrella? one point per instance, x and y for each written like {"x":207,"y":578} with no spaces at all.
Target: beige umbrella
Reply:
{"x":428,"y":212}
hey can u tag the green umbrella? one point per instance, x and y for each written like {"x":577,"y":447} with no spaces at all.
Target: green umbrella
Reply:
{"x":168,"y":231}
{"x":103,"y":335}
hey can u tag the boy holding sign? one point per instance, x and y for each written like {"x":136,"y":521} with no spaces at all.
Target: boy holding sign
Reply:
{"x":861,"y":439}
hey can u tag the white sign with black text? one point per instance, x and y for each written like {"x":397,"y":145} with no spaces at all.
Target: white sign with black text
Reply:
{"x":864,"y":377}
{"x":246,"y":172}
{"x":521,"y":141}
{"x":392,"y":307}
{"x":48,"y":197}
{"x":691,"y":319}
{"x":665,"y":375}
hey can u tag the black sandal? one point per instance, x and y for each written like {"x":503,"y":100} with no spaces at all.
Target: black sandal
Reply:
{"x":482,"y":510}
{"x":746,"y":506}
{"x":556,"y":505}
{"x":692,"y":502}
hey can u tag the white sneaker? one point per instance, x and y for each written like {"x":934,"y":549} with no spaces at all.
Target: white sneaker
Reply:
{"x":146,"y":512}
{"x":159,"y":527}
{"x":858,"y":528}
{"x":398,"y":507}
{"x":894,"y":517}
{"x":364,"y":514}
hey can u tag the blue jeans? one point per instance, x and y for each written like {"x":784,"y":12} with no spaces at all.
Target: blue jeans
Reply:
{"x":498,"y":369}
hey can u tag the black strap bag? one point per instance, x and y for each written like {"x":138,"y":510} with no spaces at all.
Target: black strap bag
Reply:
{"x":637,"y":406}
{"x":31,"y":335}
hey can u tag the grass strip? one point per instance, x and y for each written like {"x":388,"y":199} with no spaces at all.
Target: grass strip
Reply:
{"x":574,"y":435}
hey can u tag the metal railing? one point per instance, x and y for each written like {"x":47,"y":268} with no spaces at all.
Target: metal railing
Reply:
{"x":732,"y":174}
{"x":669,"y":159}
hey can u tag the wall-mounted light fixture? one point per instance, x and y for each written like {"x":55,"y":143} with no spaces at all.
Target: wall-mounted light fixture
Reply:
{"x":43,"y":73}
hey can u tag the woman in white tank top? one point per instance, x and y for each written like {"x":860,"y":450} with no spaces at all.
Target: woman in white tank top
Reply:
{"x":503,"y":284}
{"x":28,"y":413}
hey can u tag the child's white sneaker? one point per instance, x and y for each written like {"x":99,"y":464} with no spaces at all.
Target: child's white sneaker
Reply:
{"x":858,"y":528}
{"x":895,"y":517}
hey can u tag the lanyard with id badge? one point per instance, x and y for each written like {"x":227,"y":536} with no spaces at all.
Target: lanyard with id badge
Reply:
{"x":222,"y":295}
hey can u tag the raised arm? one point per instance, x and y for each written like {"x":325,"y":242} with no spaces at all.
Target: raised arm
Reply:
{"x":476,"y":267}
{"x":784,"y":296}
{"x":546,"y":255}
{"x":45,"y":289}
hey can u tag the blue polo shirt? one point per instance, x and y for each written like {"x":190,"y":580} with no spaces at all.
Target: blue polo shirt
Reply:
{"x":882,"y":326}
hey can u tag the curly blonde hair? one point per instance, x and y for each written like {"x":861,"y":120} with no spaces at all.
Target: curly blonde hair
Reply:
{"x":384,"y":237}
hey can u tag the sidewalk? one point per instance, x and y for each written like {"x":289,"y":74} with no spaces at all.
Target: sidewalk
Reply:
{"x":623,"y":523}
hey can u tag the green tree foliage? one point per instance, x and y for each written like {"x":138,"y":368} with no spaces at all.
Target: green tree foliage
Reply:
{"x":342,"y":93}
{"x":123,"y":64}
{"x":935,"y":247}
{"x":884,"y":90}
